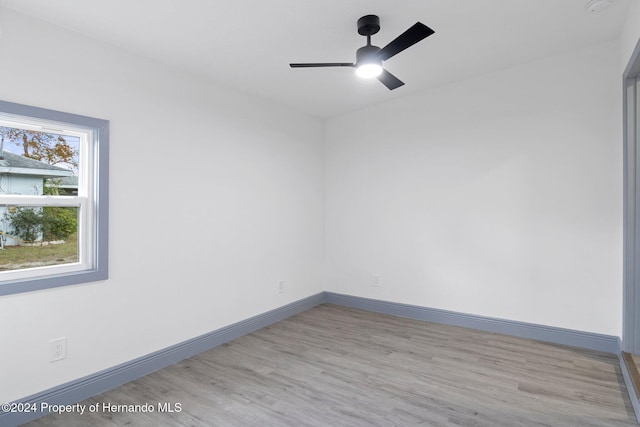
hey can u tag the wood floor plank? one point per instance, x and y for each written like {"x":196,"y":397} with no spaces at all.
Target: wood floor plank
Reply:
{"x":339,"y":366}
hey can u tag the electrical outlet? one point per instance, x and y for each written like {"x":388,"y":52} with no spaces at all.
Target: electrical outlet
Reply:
{"x":281,"y":286}
{"x":58,"y":349}
{"x":376,"y":281}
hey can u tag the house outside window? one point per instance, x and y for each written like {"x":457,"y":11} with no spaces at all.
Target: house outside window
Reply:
{"x":23,"y":175}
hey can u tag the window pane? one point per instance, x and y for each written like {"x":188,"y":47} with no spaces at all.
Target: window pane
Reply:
{"x":36,"y":236}
{"x":34,"y":162}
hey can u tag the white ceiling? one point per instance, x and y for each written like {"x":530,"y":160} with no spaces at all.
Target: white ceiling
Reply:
{"x":248,"y":44}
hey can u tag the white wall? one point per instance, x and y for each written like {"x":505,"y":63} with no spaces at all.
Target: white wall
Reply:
{"x":215,"y":197}
{"x":498,"y":196}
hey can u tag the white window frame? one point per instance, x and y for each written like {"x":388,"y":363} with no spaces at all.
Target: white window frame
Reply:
{"x":92,"y":199}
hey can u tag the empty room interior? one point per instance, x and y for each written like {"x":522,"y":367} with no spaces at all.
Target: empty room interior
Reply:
{"x":262,"y":236}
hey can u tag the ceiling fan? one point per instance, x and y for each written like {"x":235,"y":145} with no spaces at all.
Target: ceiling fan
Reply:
{"x":369,"y":58}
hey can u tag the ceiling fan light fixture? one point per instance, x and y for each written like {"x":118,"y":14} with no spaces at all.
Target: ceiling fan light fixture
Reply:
{"x":368,"y":65}
{"x":369,"y":70}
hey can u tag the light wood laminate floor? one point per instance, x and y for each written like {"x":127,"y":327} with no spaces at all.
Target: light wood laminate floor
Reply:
{"x":336,"y":366}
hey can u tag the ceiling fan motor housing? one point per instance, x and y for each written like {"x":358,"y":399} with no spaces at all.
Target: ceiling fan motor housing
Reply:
{"x":367,"y":54}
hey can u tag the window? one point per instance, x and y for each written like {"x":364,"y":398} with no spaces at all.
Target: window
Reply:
{"x":53,"y":198}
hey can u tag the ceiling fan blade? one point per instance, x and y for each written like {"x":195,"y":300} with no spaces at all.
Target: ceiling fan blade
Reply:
{"x":405,"y":40}
{"x":389,"y":80}
{"x":322,"y":64}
